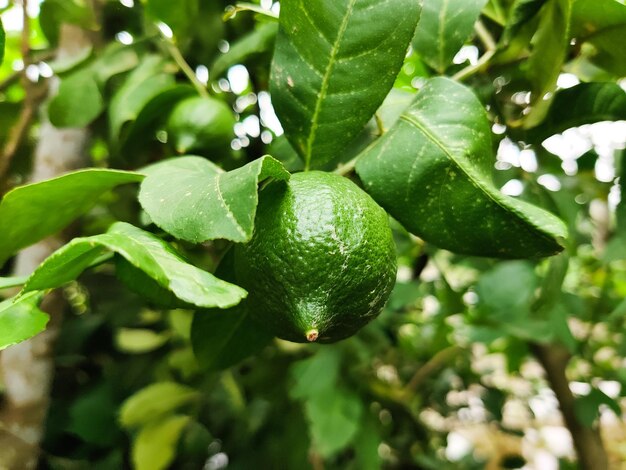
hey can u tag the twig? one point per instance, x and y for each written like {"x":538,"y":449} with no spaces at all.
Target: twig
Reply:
{"x":184,"y":66}
{"x":232,"y":11}
{"x":490,"y":50}
{"x":587,"y":441}
{"x":435,"y":363}
{"x":348,"y":167}
{"x":21,"y":127}
{"x":379,"y":124}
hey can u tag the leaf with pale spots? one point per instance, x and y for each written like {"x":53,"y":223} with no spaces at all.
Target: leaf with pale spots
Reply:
{"x":444,"y":27}
{"x":334,"y":63}
{"x":195,"y":200}
{"x":144,"y":251}
{"x":432,"y":172}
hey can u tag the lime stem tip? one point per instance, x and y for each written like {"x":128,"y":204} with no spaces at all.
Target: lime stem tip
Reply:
{"x":312,"y":335}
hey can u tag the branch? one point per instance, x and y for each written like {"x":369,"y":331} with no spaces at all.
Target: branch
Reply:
{"x":437,"y":362}
{"x":587,"y":442}
{"x":490,"y":49}
{"x":184,"y":66}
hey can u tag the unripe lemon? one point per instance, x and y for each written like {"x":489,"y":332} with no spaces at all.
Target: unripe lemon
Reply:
{"x":321,"y":262}
{"x":201,"y":124}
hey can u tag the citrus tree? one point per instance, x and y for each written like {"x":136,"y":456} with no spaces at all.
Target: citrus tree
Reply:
{"x":312,"y":234}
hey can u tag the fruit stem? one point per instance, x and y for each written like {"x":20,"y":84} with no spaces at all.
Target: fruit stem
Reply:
{"x":312,"y":334}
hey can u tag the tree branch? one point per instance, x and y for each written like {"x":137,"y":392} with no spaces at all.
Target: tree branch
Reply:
{"x":587,"y":441}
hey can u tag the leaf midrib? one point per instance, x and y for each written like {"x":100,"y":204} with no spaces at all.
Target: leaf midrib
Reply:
{"x":325,"y":81}
{"x":486,"y":190}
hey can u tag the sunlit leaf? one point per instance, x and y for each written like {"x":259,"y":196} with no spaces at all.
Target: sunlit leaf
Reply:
{"x":444,"y":27}
{"x":154,"y":447}
{"x":21,"y":319}
{"x":154,"y":401}
{"x":2,"y":40}
{"x":334,"y":63}
{"x":432,"y":172}
{"x":139,"y":340}
{"x":25,"y":211}
{"x":144,"y":251}
{"x":195,"y":200}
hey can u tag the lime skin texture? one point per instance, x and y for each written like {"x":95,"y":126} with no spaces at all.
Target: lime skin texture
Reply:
{"x":321,"y":262}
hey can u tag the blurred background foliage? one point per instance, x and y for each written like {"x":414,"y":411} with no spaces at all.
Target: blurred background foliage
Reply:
{"x":450,"y":375}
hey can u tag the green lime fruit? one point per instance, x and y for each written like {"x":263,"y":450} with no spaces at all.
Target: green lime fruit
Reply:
{"x":321,"y":262}
{"x":201,"y":124}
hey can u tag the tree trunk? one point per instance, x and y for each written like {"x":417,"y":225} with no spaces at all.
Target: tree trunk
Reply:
{"x":587,"y":441}
{"x":26,"y":369}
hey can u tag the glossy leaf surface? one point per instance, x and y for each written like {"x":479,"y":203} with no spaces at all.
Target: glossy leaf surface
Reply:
{"x":21,"y":319}
{"x":25,"y":211}
{"x":334,"y":63}
{"x":144,"y":251}
{"x":432,"y":172}
{"x":195,"y":200}
{"x":444,"y":27}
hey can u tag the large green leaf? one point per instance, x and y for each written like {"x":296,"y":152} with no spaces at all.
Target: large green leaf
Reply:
{"x":154,"y":401}
{"x":550,"y":45}
{"x":144,"y":251}
{"x":154,"y":447}
{"x":195,"y":200}
{"x":334,"y":63}
{"x":444,"y":27}
{"x":21,"y":319}
{"x":146,"y":82}
{"x":432,"y":172}
{"x":581,"y":104}
{"x":78,"y":101}
{"x":32,"y":212}
{"x":602,"y":24}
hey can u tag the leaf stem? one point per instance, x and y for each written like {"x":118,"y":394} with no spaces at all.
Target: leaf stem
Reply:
{"x":379,"y":124}
{"x":232,"y":11}
{"x":184,"y":66}
{"x":344,"y":169}
{"x":490,"y":50}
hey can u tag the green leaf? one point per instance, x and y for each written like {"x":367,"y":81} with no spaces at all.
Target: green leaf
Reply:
{"x":21,"y":319}
{"x":92,"y":416}
{"x":432,"y":172}
{"x":333,"y":416}
{"x":602,"y":24}
{"x":581,"y":104}
{"x":258,"y":41}
{"x":2,"y":41}
{"x":180,"y":16}
{"x":154,"y":401}
{"x":550,"y":45}
{"x":144,"y":251}
{"x":6,"y":282}
{"x":222,"y":338}
{"x":139,"y":340}
{"x":586,"y":407}
{"x":25,"y":211}
{"x":334,"y":63}
{"x":316,"y":374}
{"x":521,"y":12}
{"x":143,"y":84}
{"x":78,"y":101}
{"x":155,"y":445}
{"x":444,"y":27}
{"x":194,"y":200}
